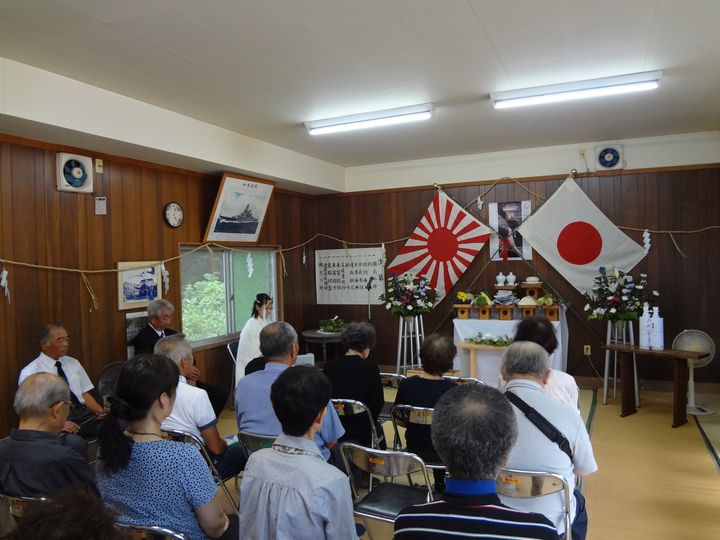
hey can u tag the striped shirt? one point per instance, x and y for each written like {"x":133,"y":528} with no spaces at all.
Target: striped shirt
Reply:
{"x":470,"y":509}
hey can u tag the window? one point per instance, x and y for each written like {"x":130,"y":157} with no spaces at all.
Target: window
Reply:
{"x":219,"y":288}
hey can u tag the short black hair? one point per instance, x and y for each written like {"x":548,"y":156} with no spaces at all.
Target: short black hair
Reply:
{"x":358,"y":336}
{"x":437,"y":353}
{"x":298,"y":395}
{"x":538,"y":330}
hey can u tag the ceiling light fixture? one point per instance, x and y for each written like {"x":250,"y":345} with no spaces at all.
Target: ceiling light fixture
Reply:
{"x":388,"y":117}
{"x":553,"y":93}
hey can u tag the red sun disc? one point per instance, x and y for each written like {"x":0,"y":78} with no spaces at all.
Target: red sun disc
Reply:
{"x":442,"y":244}
{"x":579,"y":243}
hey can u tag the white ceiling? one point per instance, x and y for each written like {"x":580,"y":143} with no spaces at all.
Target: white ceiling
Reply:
{"x":262,"y":68}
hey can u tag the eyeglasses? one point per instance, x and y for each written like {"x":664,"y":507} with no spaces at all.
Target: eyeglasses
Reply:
{"x":64,"y":402}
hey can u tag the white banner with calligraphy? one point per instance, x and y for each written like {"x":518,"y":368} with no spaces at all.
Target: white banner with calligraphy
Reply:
{"x":342,"y":276}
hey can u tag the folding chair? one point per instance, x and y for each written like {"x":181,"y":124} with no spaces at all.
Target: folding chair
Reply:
{"x":352,"y":407}
{"x":402,"y":415}
{"x":190,"y":438}
{"x":12,"y":508}
{"x":385,"y":501}
{"x":151,"y":532}
{"x":463,"y":380}
{"x":519,"y":484}
{"x":252,"y":442}
{"x":232,"y":348}
{"x":389,"y":380}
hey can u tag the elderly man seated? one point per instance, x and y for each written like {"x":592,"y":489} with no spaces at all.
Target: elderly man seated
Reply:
{"x":473,"y":431}
{"x":193,"y":412}
{"x":288,"y":491}
{"x":34,"y":459}
{"x":526,"y":368}
{"x":278,"y":344}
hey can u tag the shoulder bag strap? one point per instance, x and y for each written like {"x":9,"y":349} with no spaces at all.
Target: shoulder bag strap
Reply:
{"x":542,"y":423}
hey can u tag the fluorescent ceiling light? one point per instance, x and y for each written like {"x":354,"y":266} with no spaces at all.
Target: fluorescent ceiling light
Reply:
{"x":388,"y":117}
{"x":608,"y":86}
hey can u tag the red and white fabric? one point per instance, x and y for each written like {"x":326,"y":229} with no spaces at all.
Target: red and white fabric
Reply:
{"x":576,"y":238}
{"x":442,"y":245}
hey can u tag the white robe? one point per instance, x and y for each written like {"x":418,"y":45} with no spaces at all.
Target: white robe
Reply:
{"x":249,"y":344}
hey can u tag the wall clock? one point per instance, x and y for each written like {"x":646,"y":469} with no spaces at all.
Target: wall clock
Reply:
{"x":173,"y":214}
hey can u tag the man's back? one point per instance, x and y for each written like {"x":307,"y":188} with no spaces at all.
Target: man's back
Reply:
{"x":252,"y":401}
{"x":464,"y":516}
{"x":534,"y":451}
{"x":35,"y":463}
{"x":192,"y":410}
{"x":290,"y":492}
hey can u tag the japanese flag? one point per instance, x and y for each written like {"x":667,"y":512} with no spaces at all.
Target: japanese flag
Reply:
{"x":574,"y":236}
{"x":442,"y":245}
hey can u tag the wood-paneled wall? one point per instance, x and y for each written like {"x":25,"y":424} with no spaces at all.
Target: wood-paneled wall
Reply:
{"x":672,"y":200}
{"x":42,"y":226}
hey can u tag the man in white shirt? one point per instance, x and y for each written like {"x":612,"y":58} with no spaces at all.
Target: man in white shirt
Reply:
{"x":192,"y":411}
{"x":85,"y":411}
{"x":526,"y":368}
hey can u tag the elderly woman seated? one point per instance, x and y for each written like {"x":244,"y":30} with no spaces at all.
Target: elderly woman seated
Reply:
{"x":424,"y":390}
{"x":146,"y":479}
{"x":354,"y":376}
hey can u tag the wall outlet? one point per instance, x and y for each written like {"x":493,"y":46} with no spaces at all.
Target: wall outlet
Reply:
{"x":586,"y":350}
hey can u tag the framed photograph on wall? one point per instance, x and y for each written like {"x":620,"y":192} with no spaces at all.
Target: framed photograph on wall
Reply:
{"x":138,"y":284}
{"x":239,"y":210}
{"x":505,"y":218}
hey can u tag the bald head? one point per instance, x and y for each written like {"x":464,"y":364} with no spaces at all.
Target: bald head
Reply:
{"x":38,"y":393}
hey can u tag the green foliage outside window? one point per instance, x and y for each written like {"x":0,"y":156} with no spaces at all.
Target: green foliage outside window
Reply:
{"x":204,"y":313}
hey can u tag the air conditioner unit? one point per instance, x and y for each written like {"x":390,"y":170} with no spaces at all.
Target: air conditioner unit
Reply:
{"x":74,"y":173}
{"x":609,"y":156}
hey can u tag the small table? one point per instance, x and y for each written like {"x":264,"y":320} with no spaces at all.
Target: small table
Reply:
{"x":680,"y":377}
{"x":316,"y":336}
{"x":472,"y":348}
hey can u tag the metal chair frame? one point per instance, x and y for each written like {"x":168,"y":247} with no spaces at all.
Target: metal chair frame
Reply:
{"x":407,"y":414}
{"x":522,"y":484}
{"x":352,"y":407}
{"x":190,"y":438}
{"x":463,"y":380}
{"x":392,"y":380}
{"x":388,"y":464}
{"x":142,"y":531}
{"x":12,"y":508}
{"x":252,"y":442}
{"x":232,"y":348}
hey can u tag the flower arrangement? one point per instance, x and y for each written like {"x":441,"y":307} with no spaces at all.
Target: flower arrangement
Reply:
{"x":617,"y":296}
{"x":335,"y":324}
{"x":408,"y":295}
{"x":489,"y":339}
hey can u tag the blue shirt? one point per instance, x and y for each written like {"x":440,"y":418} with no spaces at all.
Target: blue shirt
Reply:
{"x":255,"y":413}
{"x":162,"y":483}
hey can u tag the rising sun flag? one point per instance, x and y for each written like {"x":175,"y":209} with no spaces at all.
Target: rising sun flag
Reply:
{"x":443,"y":244}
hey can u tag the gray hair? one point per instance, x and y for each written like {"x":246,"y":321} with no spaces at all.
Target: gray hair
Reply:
{"x":473,"y":431}
{"x":525,"y":358}
{"x":47,"y":330}
{"x":175,"y":347}
{"x":38,"y":393}
{"x":277,"y":339}
{"x":157,"y":306}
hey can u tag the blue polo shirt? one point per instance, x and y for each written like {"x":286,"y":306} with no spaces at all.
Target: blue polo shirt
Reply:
{"x":255,"y":414}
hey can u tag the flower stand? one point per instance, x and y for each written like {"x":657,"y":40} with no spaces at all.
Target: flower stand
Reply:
{"x":410,"y":336}
{"x":619,"y":332}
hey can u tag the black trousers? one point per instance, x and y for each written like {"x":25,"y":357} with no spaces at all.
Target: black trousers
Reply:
{"x":218,"y":396}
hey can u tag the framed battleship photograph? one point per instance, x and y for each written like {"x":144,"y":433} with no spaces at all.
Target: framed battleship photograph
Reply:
{"x":239,"y":210}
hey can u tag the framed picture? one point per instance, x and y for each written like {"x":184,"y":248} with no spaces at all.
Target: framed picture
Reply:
{"x":505,"y":218}
{"x":138,"y":284}
{"x":134,"y":322}
{"x":239,"y":210}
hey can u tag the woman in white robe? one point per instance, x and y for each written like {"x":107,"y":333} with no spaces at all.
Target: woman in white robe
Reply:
{"x":249,"y":344}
